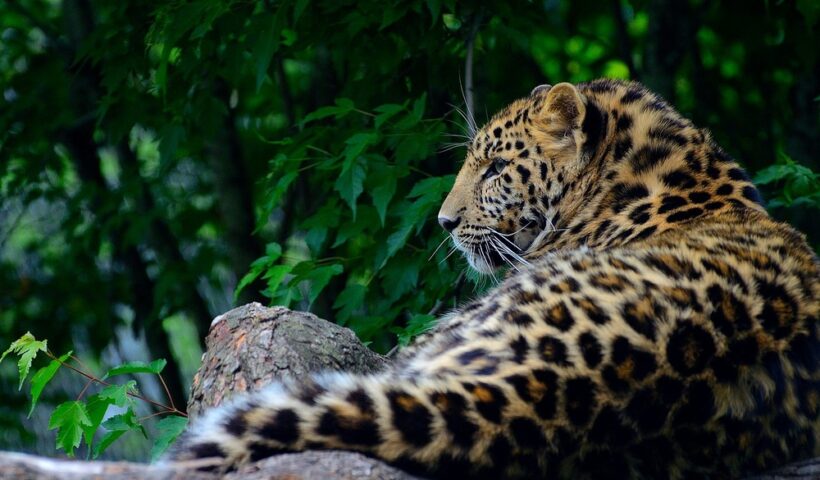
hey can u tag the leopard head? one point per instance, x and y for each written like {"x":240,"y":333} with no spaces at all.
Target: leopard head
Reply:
{"x":518,"y":178}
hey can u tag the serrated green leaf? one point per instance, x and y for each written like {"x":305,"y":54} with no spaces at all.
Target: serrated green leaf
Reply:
{"x":350,"y":299}
{"x":41,"y":378}
{"x":96,"y":407}
{"x":69,"y":418}
{"x":417,"y":325}
{"x":385,"y":113}
{"x":350,"y":183}
{"x":274,"y":277}
{"x":355,"y":146}
{"x":168,"y":430}
{"x":124,"y":422}
{"x":385,"y":187}
{"x":137,"y":367}
{"x":400,"y":275}
{"x":343,"y":107}
{"x":118,"y":394}
{"x":26,"y":347}
{"x":319,"y":278}
{"x":395,"y":241}
{"x":267,"y":43}
{"x":106,"y":440}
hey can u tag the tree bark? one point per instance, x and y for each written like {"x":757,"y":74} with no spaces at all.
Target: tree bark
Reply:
{"x":247,"y":348}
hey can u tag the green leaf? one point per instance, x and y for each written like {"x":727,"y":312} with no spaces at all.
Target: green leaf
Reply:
{"x":299,"y":8}
{"x":417,"y":325}
{"x":168,"y":430}
{"x":350,"y":183}
{"x":26,"y":347}
{"x":395,"y":241}
{"x":118,"y":394}
{"x":137,"y":367}
{"x":385,"y":113}
{"x":42,"y":377}
{"x":401,"y":275}
{"x":69,"y":418}
{"x":106,"y":440}
{"x":355,"y":145}
{"x":319,"y":278}
{"x":385,"y":188}
{"x":350,"y":299}
{"x":274,"y":277}
{"x":451,"y":21}
{"x":124,"y":422}
{"x":343,"y":107}
{"x":272,"y":253}
{"x":96,"y":407}
{"x":117,"y":426}
{"x":267,"y":43}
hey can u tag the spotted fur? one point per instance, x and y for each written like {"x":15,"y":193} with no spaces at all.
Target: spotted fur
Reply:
{"x":656,"y":323}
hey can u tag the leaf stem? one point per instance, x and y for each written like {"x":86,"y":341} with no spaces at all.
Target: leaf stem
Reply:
{"x":94,"y":379}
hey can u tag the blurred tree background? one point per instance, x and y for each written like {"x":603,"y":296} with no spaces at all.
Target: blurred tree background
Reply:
{"x":161,"y":162}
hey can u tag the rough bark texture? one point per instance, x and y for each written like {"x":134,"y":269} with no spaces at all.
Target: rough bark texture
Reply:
{"x":247,"y":348}
{"x":250,"y":346}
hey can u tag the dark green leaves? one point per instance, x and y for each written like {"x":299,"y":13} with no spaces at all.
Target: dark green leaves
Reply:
{"x":798,"y":184}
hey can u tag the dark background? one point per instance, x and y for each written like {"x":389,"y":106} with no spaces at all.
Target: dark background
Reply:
{"x":151,"y":152}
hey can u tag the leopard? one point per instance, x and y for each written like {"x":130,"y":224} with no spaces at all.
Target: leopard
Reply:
{"x":654,"y":321}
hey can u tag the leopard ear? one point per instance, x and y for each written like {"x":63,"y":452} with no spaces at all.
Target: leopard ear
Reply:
{"x":565,"y":104}
{"x":540,"y":89}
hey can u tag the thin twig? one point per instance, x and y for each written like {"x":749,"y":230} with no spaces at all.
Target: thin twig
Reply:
{"x":104,"y":383}
{"x":85,"y":388}
{"x":167,"y":392}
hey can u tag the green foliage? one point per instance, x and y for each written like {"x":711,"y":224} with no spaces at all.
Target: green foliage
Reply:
{"x":26,"y":347}
{"x":79,"y":420}
{"x":796,"y":185}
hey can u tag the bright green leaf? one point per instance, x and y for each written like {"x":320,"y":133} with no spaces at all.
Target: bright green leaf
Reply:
{"x":41,"y":378}
{"x":137,"y":367}
{"x":118,"y":394}
{"x":168,"y":430}
{"x":26,"y":347}
{"x":69,"y":418}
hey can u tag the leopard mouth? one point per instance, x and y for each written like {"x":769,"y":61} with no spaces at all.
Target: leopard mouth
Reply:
{"x":493,"y":251}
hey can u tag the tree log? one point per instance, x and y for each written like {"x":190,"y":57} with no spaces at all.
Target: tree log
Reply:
{"x":247,"y":348}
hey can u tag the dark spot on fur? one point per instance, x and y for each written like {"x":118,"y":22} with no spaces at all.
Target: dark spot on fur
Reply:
{"x":579,"y":394}
{"x":527,"y":434}
{"x":690,"y":349}
{"x":590,"y":349}
{"x":411,"y":418}
{"x":283,"y":427}
{"x":671,"y":203}
{"x":553,"y":350}
{"x":679,"y":179}
{"x":684,"y":215}
{"x":453,"y":408}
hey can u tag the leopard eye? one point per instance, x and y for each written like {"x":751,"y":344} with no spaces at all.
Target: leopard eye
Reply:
{"x":495,"y":168}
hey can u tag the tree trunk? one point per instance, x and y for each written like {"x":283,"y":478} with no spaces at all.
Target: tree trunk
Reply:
{"x":247,"y":348}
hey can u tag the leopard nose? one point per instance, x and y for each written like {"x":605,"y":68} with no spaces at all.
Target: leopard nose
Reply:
{"x":449,"y":224}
